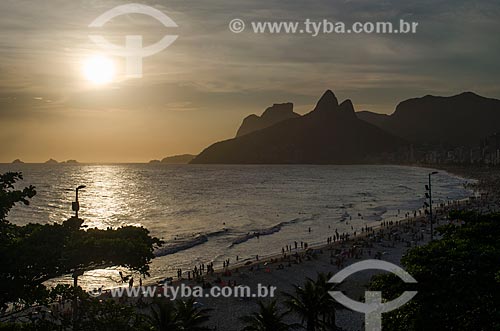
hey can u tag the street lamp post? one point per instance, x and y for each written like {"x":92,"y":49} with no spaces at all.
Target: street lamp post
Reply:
{"x":428,"y":195}
{"x":76,"y":205}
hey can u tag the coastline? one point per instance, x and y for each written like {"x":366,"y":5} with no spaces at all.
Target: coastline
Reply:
{"x":375,"y":224}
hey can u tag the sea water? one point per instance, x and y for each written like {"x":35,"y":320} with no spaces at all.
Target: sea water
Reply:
{"x":209,"y":213}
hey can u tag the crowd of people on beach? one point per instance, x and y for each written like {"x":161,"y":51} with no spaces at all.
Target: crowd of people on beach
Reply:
{"x":357,"y":243}
{"x":343,"y":246}
{"x":200,"y":270}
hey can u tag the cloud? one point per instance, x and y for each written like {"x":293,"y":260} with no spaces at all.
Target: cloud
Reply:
{"x":208,"y":55}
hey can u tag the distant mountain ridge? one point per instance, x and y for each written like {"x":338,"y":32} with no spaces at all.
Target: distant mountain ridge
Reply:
{"x":335,"y":134}
{"x":329,"y":134}
{"x":175,"y":159}
{"x":459,"y":120}
{"x":272,"y":115}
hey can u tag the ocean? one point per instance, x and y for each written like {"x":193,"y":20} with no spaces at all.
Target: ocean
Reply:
{"x":208,"y":213}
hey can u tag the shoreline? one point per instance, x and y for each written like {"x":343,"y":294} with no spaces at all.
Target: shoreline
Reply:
{"x":376,"y":243}
{"x":374,"y":224}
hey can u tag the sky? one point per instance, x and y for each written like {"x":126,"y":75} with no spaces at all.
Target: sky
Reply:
{"x":198,"y":90}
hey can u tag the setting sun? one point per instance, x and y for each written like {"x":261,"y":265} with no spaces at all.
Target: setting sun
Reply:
{"x":99,"y":70}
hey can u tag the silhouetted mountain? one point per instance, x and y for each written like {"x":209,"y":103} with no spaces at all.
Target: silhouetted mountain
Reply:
{"x":327,"y":103}
{"x":17,"y":161}
{"x":154,"y":162}
{"x":373,"y":118}
{"x":272,"y":115}
{"x":51,"y":161}
{"x":71,"y":162}
{"x":178,"y":159}
{"x":330,"y":134}
{"x":460,"y":120}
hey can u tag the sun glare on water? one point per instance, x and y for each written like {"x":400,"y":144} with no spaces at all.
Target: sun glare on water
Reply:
{"x":99,"y":70}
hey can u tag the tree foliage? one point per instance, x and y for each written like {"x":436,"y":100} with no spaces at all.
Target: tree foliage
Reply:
{"x":93,"y":314}
{"x":9,"y":196}
{"x":313,"y":304}
{"x":268,"y":318}
{"x":182,"y":315}
{"x":458,"y":287}
{"x":35,"y":253}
